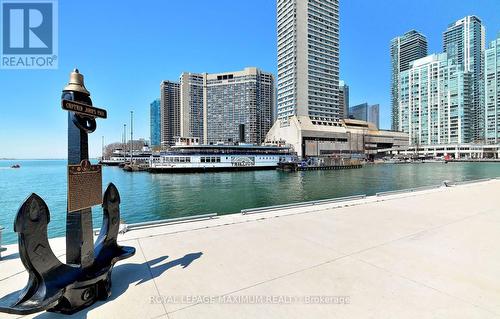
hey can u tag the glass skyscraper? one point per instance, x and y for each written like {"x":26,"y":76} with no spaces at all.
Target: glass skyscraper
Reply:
{"x":344,"y":99}
{"x":404,"y":49}
{"x":492,"y":92}
{"x":366,"y":112}
{"x":308,"y":60}
{"x":434,"y":99}
{"x":155,"y":122}
{"x":464,"y":41}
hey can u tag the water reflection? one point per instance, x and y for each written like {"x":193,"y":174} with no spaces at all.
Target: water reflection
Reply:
{"x":156,"y":196}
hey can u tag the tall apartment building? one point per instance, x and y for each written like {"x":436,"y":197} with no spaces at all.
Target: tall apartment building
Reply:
{"x":434,"y":96}
{"x":344,"y":99}
{"x":221,"y":107}
{"x":404,"y":49}
{"x":308,"y":60}
{"x":464,"y":41}
{"x":366,"y":112}
{"x":155,"y":122}
{"x":191,"y":114}
{"x":170,"y":112}
{"x":309,"y":103}
{"x":238,"y":106}
{"x":492,"y":92}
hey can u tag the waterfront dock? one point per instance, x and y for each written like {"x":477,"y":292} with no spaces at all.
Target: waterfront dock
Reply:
{"x":321,"y":164}
{"x":295,"y":167}
{"x":427,"y":253}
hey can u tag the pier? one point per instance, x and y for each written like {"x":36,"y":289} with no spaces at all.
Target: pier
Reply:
{"x":421,"y":253}
{"x":320,"y":164}
{"x":294,"y":167}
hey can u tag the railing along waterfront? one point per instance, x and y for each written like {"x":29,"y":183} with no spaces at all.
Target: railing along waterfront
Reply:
{"x":156,"y":223}
{"x":443,"y":184}
{"x":409,"y":190}
{"x":127,"y":227}
{"x":301,"y":204}
{"x":472,"y":181}
{"x":169,"y":221}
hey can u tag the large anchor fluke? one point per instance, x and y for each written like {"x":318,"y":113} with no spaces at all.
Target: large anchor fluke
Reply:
{"x":107,"y":250}
{"x":55,"y":286}
{"x":37,"y":257}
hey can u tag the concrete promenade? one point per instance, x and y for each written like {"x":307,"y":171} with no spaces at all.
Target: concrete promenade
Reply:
{"x":427,"y":254}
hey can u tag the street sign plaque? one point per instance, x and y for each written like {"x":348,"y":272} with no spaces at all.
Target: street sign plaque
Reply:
{"x":84,"y":109}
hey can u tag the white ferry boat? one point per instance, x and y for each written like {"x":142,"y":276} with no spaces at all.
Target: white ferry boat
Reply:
{"x":209,"y":158}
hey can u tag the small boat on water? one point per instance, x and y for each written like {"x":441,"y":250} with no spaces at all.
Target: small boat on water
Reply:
{"x":16,"y":166}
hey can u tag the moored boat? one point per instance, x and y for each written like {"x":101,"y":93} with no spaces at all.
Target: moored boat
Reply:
{"x":210,"y":158}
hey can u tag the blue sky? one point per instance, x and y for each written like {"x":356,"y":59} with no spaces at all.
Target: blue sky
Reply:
{"x":125,"y":48}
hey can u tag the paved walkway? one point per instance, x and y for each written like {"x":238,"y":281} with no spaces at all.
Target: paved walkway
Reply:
{"x":430,"y":254}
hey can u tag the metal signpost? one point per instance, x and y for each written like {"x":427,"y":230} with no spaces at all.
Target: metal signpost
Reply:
{"x":86,"y":276}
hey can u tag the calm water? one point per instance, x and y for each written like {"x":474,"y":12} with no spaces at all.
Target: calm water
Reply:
{"x":151,"y":197}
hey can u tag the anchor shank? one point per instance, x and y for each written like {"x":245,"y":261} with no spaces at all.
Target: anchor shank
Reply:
{"x":79,"y":236}
{"x":78,"y":142}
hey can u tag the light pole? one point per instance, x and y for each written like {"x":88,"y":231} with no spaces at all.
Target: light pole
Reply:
{"x":124,"y":142}
{"x":131,"y":134}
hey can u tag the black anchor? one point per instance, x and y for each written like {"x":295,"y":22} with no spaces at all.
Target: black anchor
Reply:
{"x":86,"y":277}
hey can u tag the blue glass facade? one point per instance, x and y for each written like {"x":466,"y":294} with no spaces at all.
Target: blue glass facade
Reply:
{"x":404,"y":49}
{"x":464,"y":41}
{"x":365,"y":112}
{"x":492,"y":92}
{"x":434,"y":102}
{"x":155,"y":122}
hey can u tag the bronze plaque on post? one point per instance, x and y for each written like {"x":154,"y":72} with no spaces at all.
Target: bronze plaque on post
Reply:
{"x":84,"y":186}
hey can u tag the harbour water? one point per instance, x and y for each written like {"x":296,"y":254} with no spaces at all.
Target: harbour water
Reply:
{"x":146,"y":197}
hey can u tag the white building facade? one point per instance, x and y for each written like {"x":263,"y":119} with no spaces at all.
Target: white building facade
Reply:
{"x":434,"y":102}
{"x":308,"y":60}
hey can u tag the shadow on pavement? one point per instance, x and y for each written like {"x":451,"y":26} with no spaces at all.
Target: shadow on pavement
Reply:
{"x":126,"y":274}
